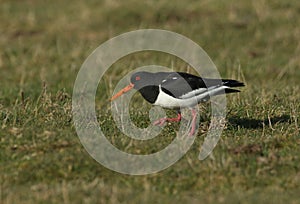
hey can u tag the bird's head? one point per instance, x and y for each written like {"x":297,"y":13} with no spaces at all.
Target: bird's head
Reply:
{"x":138,"y":80}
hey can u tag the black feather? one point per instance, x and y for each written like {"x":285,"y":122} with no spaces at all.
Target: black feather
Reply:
{"x":232,"y":83}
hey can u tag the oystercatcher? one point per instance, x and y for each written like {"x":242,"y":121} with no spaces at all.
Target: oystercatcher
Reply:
{"x":176,"y":90}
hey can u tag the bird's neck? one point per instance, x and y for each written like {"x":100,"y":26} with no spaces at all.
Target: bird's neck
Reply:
{"x":150,"y":93}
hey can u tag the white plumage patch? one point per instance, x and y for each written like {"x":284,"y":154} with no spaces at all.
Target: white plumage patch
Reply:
{"x":193,"y":93}
{"x":187,"y":100}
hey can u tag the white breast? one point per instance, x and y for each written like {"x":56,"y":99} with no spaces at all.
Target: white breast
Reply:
{"x":168,"y":101}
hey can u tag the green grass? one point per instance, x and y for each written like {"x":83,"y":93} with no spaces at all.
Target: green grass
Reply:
{"x":44,"y":43}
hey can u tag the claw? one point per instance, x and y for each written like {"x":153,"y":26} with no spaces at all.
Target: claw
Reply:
{"x":162,"y":121}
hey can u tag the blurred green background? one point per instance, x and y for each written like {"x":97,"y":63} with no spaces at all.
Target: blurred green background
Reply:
{"x":43,"y":44}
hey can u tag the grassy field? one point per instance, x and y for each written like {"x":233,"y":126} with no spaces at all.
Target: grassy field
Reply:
{"x":43,"y":45}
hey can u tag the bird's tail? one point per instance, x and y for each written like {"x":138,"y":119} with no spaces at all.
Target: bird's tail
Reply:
{"x":232,"y":83}
{"x":231,"y":90}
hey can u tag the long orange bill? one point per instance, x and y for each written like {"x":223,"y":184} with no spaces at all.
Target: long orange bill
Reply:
{"x":124,"y":90}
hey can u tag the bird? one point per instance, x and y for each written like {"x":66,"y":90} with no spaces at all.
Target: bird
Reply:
{"x":176,"y":90}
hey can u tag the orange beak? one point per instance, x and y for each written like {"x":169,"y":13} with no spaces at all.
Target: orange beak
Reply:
{"x":124,"y":90}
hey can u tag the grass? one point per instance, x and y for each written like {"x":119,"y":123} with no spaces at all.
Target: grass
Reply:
{"x":43,"y":45}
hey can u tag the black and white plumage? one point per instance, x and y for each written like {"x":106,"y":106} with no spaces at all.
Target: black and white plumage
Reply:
{"x":175,"y":90}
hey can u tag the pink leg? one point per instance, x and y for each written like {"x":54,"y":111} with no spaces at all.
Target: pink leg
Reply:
{"x":194,"y":115}
{"x":162,"y":121}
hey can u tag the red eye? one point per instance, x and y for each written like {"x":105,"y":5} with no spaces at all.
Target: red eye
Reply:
{"x":137,"y":78}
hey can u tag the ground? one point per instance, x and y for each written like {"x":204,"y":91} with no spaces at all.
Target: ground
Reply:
{"x":43,"y":45}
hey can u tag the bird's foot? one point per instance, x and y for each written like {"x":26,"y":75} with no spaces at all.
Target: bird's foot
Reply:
{"x":162,"y":121}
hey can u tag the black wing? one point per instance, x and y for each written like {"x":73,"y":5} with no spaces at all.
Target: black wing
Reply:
{"x":184,"y":85}
{"x":178,"y":84}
